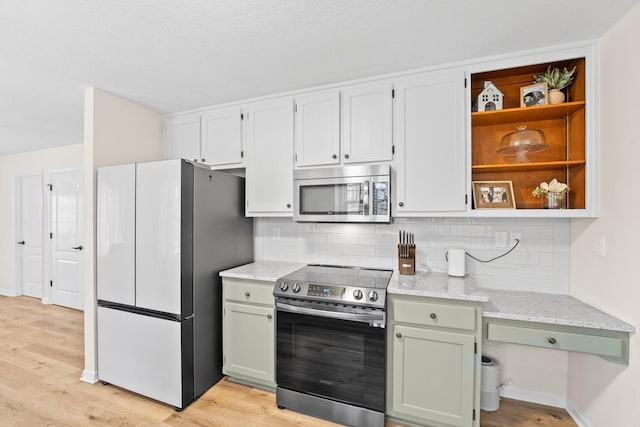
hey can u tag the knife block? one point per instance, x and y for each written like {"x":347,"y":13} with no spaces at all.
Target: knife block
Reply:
{"x":407,"y":265}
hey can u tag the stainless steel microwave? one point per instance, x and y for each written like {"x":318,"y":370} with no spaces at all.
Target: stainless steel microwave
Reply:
{"x":345,"y":194}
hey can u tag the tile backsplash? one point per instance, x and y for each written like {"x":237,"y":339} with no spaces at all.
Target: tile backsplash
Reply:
{"x":540,"y":263}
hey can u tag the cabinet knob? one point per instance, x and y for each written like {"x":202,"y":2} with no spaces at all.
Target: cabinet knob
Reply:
{"x":247,"y":294}
{"x":433,"y":316}
{"x":204,"y":160}
{"x":269,"y":316}
{"x":398,"y":335}
{"x":346,"y":156}
{"x":401,"y":204}
{"x":335,"y":156}
{"x":195,"y":160}
{"x":552,"y":340}
{"x":288,"y":205}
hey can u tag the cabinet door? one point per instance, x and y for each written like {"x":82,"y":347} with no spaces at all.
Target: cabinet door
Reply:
{"x":249,"y":342}
{"x":182,"y":137}
{"x":430,"y":142}
{"x":222,"y":137}
{"x":269,"y":158}
{"x":318,"y":129}
{"x":433,"y":375}
{"x":366,"y":123}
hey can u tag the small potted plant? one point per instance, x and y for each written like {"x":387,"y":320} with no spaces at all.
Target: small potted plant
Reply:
{"x":552,"y":194}
{"x":556,"y":80}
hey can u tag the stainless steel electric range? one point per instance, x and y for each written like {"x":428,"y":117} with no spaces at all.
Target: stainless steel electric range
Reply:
{"x":330,"y":347}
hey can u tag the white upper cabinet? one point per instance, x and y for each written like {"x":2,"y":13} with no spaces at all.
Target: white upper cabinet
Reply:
{"x":430,"y":141}
{"x":366,"y":123}
{"x":182,"y":137}
{"x":317,"y":140}
{"x":268,"y":134}
{"x":222,"y":137}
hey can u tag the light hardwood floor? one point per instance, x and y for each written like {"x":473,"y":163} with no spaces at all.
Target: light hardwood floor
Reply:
{"x":41,"y":360}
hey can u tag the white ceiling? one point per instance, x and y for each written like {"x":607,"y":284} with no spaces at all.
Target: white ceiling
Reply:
{"x":175,"y":55}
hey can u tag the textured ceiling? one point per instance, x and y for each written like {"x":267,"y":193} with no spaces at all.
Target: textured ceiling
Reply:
{"x":174,"y":55}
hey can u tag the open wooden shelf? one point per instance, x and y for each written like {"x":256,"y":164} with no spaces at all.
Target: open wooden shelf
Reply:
{"x":563,"y":125}
{"x":526,"y":114}
{"x":522,"y":167}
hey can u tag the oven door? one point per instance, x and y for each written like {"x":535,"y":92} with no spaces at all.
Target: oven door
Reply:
{"x":325,"y":356}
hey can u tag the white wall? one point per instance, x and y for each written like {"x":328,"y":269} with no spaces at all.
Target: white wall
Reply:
{"x":34,"y":162}
{"x":540,"y":264}
{"x":116,"y":131}
{"x":606,"y":394}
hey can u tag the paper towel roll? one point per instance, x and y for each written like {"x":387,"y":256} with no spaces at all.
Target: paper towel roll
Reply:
{"x":456,"y":262}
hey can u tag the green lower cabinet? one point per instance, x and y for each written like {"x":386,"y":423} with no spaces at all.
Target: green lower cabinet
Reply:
{"x":433,"y":372}
{"x":249,"y":341}
{"x":433,"y":375}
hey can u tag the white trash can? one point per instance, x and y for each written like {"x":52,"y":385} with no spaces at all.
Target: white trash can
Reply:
{"x":490,"y":384}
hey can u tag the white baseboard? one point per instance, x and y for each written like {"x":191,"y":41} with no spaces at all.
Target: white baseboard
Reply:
{"x":575,"y":414}
{"x":534,"y":397}
{"x":7,"y":293}
{"x":90,"y":377}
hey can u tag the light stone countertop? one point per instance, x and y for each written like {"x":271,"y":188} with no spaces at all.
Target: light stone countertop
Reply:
{"x":500,"y":304}
{"x":549,"y":308}
{"x":436,"y":285}
{"x":514,"y":305}
{"x":268,"y":271}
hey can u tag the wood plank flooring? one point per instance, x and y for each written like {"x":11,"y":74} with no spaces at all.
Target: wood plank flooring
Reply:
{"x":41,"y":361}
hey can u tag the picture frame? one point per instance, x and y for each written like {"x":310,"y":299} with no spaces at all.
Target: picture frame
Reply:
{"x":493,"y":195}
{"x":534,"y":95}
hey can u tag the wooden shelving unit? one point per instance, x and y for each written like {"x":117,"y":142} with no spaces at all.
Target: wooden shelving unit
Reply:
{"x":562,"y":124}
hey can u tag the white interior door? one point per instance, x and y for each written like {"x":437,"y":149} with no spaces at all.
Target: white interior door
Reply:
{"x":66,"y":239}
{"x":29,"y":234}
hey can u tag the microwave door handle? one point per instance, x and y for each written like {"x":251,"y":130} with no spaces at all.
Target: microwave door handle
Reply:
{"x":365,"y":198}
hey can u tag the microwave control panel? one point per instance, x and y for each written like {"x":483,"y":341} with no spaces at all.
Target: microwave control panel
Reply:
{"x":381,"y":198}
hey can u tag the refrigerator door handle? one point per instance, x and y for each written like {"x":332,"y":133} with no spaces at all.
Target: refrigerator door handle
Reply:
{"x":143,"y":311}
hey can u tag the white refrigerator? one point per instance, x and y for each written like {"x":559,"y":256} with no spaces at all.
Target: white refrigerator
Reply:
{"x":165,"y":230}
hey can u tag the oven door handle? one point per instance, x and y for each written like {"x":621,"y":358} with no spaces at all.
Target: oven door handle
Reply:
{"x":375,"y":320}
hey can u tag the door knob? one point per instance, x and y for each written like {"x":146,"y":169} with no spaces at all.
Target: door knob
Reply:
{"x":77,"y":247}
{"x":21,"y":242}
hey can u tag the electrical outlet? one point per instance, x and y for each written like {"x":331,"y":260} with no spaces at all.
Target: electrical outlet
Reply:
{"x":515,"y":236}
{"x":600,"y":246}
{"x":501,"y":239}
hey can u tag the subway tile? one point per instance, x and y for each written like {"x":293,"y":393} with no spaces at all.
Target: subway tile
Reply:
{"x":360,"y":250}
{"x":346,"y":239}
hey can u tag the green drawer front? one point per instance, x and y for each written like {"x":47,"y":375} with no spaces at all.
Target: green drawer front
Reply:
{"x":603,"y":346}
{"x":249,"y":292}
{"x":424,"y":313}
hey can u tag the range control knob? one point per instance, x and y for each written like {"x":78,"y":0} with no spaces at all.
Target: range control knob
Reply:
{"x":284,"y":286}
{"x":372,"y":295}
{"x":295,"y":288}
{"x":357,"y":294}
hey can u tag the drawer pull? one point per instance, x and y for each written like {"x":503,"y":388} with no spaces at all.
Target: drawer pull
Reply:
{"x":552,"y":340}
{"x":269,"y":316}
{"x":247,"y":294}
{"x":398,"y":335}
{"x":433,"y":316}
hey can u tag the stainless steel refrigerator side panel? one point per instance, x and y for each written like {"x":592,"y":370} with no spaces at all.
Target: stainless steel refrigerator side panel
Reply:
{"x":222,"y":239}
{"x":187,"y":197}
